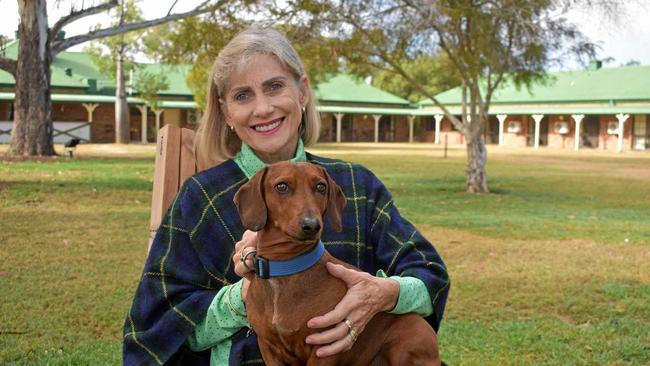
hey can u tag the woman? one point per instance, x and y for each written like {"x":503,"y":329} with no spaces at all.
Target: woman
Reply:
{"x":190,"y":300}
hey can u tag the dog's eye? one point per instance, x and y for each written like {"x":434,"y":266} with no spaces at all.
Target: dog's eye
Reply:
{"x":321,"y":187}
{"x":282,"y":187}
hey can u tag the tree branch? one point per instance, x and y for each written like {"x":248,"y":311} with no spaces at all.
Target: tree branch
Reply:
{"x":58,"y":46}
{"x":8,"y":65}
{"x":82,"y":13}
{"x":171,"y":7}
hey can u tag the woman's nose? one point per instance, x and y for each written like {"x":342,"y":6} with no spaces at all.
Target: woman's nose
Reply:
{"x":263,"y":107}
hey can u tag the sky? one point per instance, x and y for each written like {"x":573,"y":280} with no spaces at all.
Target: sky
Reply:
{"x":623,"y":41}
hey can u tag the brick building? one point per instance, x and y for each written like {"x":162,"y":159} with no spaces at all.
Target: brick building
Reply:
{"x":83,"y":105}
{"x":597,"y":108}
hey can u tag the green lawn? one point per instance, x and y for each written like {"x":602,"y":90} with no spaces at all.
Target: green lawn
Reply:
{"x":551,"y":268}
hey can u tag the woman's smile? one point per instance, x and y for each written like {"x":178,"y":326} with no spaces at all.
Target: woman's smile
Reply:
{"x":269,"y":128}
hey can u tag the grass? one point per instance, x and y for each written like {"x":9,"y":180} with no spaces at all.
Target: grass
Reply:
{"x":549,"y":269}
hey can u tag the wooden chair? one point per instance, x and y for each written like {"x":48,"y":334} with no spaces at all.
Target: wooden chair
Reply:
{"x":175,"y":162}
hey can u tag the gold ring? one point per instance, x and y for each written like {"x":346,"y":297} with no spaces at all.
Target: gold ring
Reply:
{"x":353,"y":334}
{"x":349,"y":324}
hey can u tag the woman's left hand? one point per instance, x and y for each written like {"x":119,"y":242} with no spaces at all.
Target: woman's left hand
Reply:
{"x":367,"y":295}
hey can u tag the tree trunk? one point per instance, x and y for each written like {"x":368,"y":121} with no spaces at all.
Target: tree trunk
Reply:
{"x":32,"y":128}
{"x":121,"y":106}
{"x":476,"y":161}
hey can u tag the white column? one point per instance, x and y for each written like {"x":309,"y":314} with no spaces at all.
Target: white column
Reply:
{"x":90,"y":108}
{"x":376,"y":117}
{"x":502,"y":120}
{"x":158,"y":113}
{"x":621,"y":123}
{"x":538,"y":119}
{"x":411,"y":119}
{"x":578,"y":118}
{"x":143,"y":127}
{"x":438,"y":118}
{"x":339,"y":118}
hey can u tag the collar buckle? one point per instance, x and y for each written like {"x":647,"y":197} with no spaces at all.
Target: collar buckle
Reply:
{"x":262,"y":267}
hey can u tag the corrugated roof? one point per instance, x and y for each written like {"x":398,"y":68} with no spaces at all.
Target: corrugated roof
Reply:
{"x":176,"y":75}
{"x":367,"y":110}
{"x":547,"y":110}
{"x":347,"y":88}
{"x":74,"y":69}
{"x":629,"y":83}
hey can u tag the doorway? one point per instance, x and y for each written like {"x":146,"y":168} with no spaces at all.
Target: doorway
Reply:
{"x":590,"y":131}
{"x":641,"y":134}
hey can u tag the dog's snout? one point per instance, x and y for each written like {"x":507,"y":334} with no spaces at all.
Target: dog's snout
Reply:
{"x":310,"y":225}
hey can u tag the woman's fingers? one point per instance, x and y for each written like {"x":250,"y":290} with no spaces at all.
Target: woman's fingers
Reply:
{"x":243,"y":248}
{"x":341,"y":345}
{"x":329,"y":336}
{"x":243,"y":268}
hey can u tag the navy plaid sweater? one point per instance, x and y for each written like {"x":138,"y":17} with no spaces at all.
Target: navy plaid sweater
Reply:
{"x":190,"y":260}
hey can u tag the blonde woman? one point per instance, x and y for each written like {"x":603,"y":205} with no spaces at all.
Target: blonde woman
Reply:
{"x":189,"y":306}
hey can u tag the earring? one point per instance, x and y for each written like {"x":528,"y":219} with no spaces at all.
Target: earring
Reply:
{"x":303,"y":109}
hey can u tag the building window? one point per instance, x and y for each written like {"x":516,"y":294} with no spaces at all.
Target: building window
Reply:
{"x":514,"y":127}
{"x":561,"y":127}
{"x":612,"y":128}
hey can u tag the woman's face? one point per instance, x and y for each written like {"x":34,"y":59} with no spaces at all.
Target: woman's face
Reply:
{"x":264,"y":102}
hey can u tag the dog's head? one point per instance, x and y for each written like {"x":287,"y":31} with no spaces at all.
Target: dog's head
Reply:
{"x":292,"y":198}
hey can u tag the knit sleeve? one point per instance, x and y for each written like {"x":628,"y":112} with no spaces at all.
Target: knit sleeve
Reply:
{"x":400,"y":249}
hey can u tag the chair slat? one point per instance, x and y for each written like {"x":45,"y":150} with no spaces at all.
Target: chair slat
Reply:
{"x":166,"y":174}
{"x":187,"y":160}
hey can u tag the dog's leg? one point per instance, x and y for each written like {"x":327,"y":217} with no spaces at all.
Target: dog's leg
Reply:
{"x":411,"y":342}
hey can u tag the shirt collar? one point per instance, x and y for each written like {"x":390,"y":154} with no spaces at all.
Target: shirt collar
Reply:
{"x":250,"y":164}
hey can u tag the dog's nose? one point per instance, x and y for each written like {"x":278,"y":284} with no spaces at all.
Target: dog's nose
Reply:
{"x":310,"y":225}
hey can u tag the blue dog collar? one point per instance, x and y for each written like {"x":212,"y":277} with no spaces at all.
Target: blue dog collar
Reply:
{"x":267,"y":269}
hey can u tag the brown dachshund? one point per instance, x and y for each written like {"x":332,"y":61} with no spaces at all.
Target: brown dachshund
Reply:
{"x":286,"y":202}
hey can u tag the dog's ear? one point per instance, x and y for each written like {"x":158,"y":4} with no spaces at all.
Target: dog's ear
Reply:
{"x":336,"y":202}
{"x":250,"y":203}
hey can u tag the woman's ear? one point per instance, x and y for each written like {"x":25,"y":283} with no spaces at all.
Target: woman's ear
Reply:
{"x":304,"y":86}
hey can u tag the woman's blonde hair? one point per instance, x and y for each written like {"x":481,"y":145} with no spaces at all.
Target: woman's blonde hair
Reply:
{"x":214,"y":140}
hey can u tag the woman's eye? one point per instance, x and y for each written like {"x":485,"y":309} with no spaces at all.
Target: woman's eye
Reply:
{"x":276,"y":86}
{"x":282,"y":187}
{"x":240,"y":97}
{"x":321,"y":187}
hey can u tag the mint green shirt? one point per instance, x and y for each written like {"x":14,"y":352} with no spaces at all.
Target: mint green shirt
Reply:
{"x":227,"y":313}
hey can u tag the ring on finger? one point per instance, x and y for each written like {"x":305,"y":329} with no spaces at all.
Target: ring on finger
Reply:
{"x":244,"y":257}
{"x":353,"y":334}
{"x":349,"y":324}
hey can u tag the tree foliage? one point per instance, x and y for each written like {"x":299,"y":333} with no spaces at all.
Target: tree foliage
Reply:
{"x":197,"y":41}
{"x":106,"y":51}
{"x":485,"y":43}
{"x":39,"y":43}
{"x":433,"y":72}
{"x":148,"y":84}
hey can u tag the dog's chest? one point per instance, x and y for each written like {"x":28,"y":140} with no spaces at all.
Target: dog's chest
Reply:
{"x":282,"y":306}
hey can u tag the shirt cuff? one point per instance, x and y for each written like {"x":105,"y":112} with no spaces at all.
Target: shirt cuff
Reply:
{"x":413,"y":295}
{"x":225,"y":316}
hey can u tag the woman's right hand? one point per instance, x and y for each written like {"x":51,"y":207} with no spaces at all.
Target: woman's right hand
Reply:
{"x":247,"y":244}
